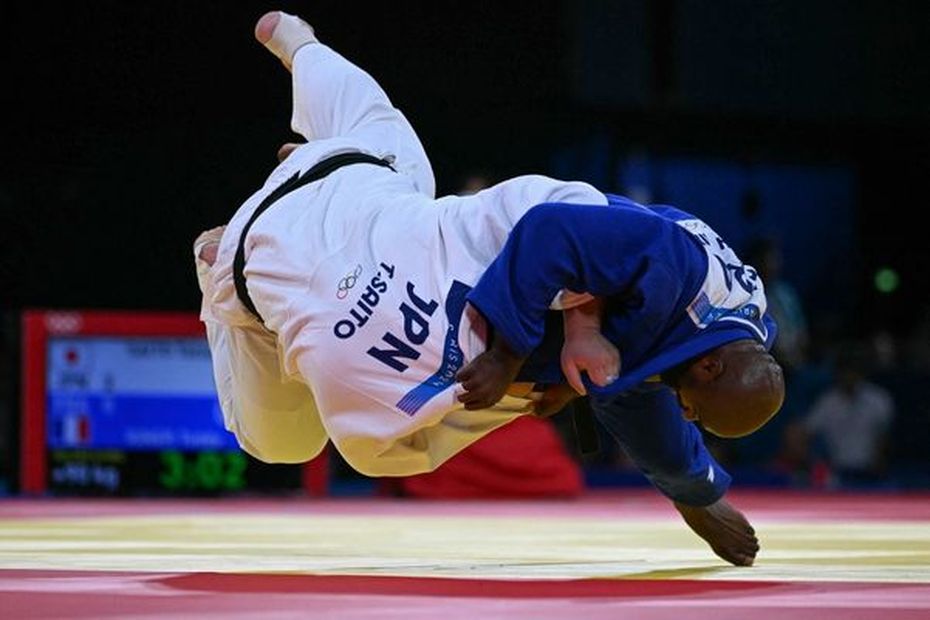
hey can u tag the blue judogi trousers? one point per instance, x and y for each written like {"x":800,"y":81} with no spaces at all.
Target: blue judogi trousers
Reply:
{"x":667,"y":449}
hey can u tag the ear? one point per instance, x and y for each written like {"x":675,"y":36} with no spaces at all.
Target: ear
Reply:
{"x":707,"y":368}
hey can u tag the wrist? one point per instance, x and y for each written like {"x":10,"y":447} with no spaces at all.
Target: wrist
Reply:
{"x":502,"y":349}
{"x":586,"y":318}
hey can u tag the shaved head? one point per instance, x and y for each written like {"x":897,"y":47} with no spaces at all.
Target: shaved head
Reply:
{"x":733,"y":390}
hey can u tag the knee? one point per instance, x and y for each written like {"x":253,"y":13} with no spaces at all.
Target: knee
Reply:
{"x":280,"y":449}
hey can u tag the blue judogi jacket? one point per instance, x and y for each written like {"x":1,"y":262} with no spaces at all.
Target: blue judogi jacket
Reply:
{"x":673,"y":288}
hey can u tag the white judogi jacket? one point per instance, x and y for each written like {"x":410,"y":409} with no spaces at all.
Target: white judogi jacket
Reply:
{"x":360,"y":279}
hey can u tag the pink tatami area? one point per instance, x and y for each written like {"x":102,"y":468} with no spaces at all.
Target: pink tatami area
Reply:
{"x":611,"y":555}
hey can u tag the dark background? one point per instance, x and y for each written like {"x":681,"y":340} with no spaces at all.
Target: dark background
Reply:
{"x":132,"y":126}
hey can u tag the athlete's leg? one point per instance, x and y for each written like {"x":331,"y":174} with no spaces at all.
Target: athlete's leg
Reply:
{"x":334,"y":98}
{"x":671,"y":453}
{"x":667,"y":449}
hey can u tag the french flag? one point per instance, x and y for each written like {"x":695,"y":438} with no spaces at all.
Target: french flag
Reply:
{"x":74,"y":429}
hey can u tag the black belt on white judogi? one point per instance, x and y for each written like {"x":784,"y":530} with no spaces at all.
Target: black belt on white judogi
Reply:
{"x":583,"y":418}
{"x":319,"y":171}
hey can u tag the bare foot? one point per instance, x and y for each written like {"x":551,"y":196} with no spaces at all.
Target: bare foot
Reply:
{"x":264,"y":28}
{"x":725,"y":529}
{"x":283,"y":34}
{"x":207,"y":244}
{"x":208,"y":253}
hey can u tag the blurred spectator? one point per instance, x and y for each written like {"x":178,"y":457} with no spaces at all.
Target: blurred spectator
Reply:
{"x":793,"y":459}
{"x":785,"y":303}
{"x":884,"y":351}
{"x":851,"y":420}
{"x":902,"y":366}
{"x":918,"y":344}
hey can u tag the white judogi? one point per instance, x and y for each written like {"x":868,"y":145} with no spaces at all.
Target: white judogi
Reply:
{"x":360,"y":279}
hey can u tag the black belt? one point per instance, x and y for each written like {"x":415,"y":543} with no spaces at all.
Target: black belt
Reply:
{"x":317,"y":172}
{"x":585,"y":426}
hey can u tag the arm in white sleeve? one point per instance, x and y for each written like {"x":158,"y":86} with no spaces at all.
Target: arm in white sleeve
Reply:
{"x":273,"y":417}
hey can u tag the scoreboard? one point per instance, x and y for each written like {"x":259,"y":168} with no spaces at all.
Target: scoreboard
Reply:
{"x":125,"y":404}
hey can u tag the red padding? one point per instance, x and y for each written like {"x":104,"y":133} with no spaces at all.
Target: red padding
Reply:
{"x":524,"y":459}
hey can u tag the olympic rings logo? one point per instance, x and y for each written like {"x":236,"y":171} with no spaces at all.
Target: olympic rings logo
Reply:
{"x":349,"y":281}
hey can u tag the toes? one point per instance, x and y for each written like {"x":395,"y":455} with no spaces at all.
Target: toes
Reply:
{"x":736,"y":557}
{"x":744,"y":560}
{"x":264,"y":29}
{"x":283,"y":34}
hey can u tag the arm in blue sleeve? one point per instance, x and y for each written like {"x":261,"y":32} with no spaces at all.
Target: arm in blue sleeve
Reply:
{"x":556,"y":246}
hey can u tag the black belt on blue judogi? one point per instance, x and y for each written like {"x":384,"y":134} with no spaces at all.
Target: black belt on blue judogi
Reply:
{"x":322,"y":169}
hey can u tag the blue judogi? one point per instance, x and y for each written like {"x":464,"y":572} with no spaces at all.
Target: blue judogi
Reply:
{"x":673,"y":290}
